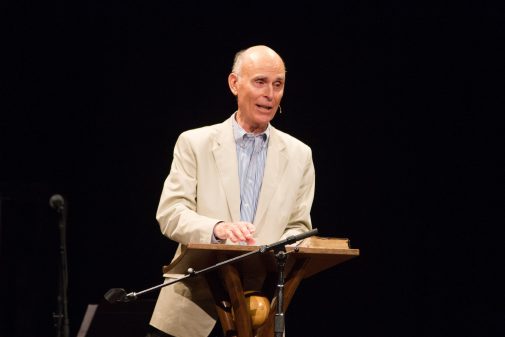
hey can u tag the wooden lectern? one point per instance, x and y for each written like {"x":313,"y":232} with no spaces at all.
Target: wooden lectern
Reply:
{"x":311,"y":256}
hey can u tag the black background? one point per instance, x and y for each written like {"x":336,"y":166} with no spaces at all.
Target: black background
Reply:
{"x":402,"y":104}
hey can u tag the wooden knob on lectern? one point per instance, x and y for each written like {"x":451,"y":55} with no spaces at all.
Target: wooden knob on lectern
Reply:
{"x":258,"y":306}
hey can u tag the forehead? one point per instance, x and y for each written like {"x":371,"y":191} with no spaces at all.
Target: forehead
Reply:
{"x":264,"y":65}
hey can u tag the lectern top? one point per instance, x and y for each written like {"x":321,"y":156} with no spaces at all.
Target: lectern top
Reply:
{"x":323,"y":252}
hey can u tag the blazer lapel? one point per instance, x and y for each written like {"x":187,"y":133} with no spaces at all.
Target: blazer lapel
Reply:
{"x":274,"y":168}
{"x":224,"y":151}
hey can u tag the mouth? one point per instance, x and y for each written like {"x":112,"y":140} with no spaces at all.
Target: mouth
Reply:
{"x":266,"y":107}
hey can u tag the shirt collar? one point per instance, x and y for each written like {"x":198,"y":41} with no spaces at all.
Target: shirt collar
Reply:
{"x":239,"y":133}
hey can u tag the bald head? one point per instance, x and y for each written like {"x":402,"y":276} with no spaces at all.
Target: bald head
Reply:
{"x":257,"y":80}
{"x":259,"y":54}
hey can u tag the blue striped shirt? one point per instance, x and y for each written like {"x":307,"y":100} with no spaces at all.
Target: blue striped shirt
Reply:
{"x":251,"y":155}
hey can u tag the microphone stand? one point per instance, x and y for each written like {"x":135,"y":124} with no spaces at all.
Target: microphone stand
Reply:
{"x":119,"y":294}
{"x":61,"y":317}
{"x":280,"y":258}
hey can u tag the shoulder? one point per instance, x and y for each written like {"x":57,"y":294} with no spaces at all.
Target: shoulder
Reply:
{"x":292,"y":143}
{"x":205,"y":132}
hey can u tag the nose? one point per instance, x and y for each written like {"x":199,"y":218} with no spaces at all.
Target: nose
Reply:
{"x":269,"y":92}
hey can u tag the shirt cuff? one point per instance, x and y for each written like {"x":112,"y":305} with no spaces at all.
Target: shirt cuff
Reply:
{"x":214,"y":239}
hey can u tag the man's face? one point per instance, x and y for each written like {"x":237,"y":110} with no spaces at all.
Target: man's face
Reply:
{"x":260,"y":86}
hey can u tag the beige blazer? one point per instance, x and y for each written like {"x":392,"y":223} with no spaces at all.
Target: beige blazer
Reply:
{"x":203,"y":188}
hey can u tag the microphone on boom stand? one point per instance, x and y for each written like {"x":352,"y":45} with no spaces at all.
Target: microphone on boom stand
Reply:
{"x":61,"y":320}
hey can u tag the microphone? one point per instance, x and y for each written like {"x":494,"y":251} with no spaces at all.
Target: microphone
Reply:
{"x":294,"y":238}
{"x":57,"y":202}
{"x":118,"y":295}
{"x":289,"y":240}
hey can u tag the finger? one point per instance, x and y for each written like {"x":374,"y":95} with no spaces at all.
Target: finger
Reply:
{"x":247,"y":227}
{"x":235,"y":234}
{"x":232,"y":237}
{"x":251,"y":241}
{"x":241,"y":233}
{"x":251,"y":228}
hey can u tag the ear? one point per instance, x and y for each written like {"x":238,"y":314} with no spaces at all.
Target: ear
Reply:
{"x":232,"y":83}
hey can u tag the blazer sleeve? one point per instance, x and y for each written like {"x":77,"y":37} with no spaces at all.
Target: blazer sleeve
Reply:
{"x":176,"y":212}
{"x":300,"y":220}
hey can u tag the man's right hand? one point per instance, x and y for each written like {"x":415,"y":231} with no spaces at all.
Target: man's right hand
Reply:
{"x":236,"y":232}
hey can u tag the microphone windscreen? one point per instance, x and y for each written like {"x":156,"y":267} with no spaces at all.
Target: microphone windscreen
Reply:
{"x":56,"y":201}
{"x":115,"y":295}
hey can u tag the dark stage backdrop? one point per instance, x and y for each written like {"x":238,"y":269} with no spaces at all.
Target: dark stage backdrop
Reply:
{"x":401,"y":104}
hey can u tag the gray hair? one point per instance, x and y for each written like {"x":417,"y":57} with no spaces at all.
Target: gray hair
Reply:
{"x":237,"y":62}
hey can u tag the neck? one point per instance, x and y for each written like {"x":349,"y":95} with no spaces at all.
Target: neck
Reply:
{"x":249,"y":127}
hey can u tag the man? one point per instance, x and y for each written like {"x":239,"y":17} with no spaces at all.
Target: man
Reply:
{"x":238,"y":182}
